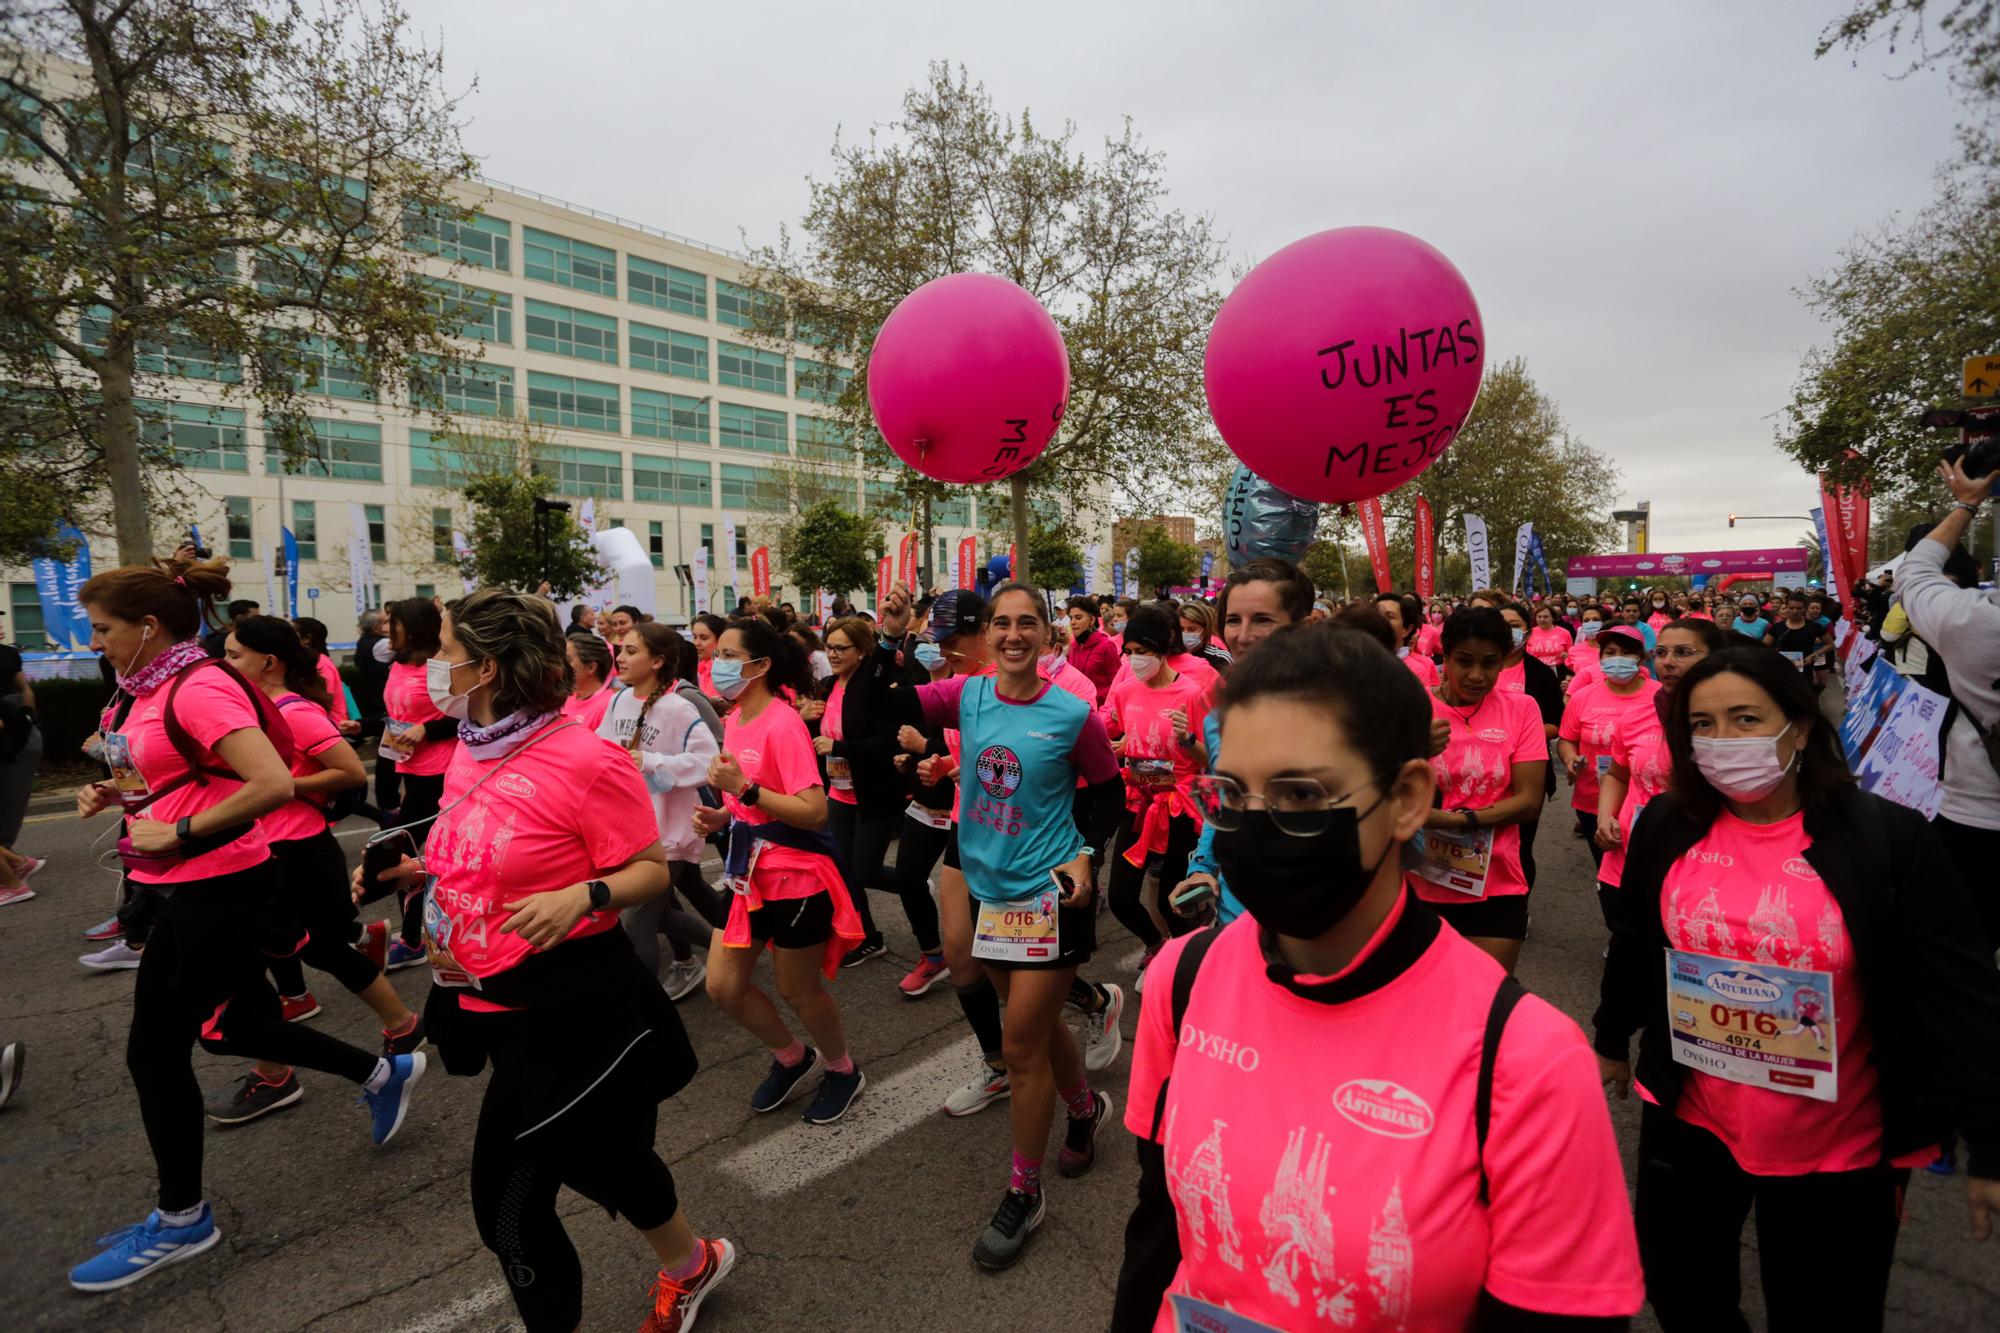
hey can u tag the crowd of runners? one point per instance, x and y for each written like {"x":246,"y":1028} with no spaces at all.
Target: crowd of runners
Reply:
{"x":1319,"y":817}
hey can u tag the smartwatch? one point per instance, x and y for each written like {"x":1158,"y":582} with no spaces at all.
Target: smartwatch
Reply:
{"x":750,"y":794}
{"x":184,"y":829}
{"x":600,"y":895}
{"x":1471,"y":820}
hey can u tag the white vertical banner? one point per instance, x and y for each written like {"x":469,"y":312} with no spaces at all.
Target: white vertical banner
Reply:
{"x":1090,"y":558}
{"x":1524,"y":537}
{"x":952,"y":580}
{"x":270,"y":579}
{"x":1132,"y":573}
{"x":1477,"y":550}
{"x":461,"y":549}
{"x":360,"y":559}
{"x":727,"y":558}
{"x":700,"y":576}
{"x":587,"y":516}
{"x":823,"y":604}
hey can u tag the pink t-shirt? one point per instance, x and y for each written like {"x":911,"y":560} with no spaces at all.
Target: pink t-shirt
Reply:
{"x":1547,"y":645}
{"x":560,"y":810}
{"x":1639,"y":746}
{"x":209,"y":706}
{"x":1476,"y":770}
{"x":1513,"y":678}
{"x":1188,"y":664}
{"x":407,"y":701}
{"x":839,"y":774}
{"x":590,"y":712}
{"x":1430,"y":640}
{"x":1153,"y":761}
{"x":1324,"y":1166}
{"x":775,"y":751}
{"x":1582,"y":657}
{"x":335,"y":687}
{"x":1422,"y":668}
{"x":1590,"y":719}
{"x":704,"y":674}
{"x":1747,"y":892}
{"x":313,"y":734}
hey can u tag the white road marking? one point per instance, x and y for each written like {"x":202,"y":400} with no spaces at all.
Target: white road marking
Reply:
{"x":800,"y":1154}
{"x":466,"y":1308}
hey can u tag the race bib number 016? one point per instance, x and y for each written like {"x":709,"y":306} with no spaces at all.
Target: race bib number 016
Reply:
{"x":440,"y":931}
{"x":1018,"y":932}
{"x":1753,"y":1023}
{"x":1454,"y":860}
{"x":1196,"y":1316}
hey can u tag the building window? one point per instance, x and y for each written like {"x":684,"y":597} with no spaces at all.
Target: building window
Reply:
{"x":671,"y":482}
{"x":24,"y":605}
{"x":427,"y":590}
{"x":879,"y":494}
{"x":750,"y":368}
{"x":475,"y":389}
{"x":666,"y":287}
{"x":435,"y":462}
{"x":744,"y":488}
{"x":441,"y":550}
{"x":305,"y":528}
{"x":577,"y":333}
{"x":669,"y":353}
{"x":708,"y":545}
{"x":820,"y":382}
{"x":318,"y":365}
{"x":169,"y":355}
{"x":582,"y":472}
{"x":547,"y":257}
{"x":477,"y":239}
{"x":656,"y":543}
{"x":823,"y":440}
{"x":210,"y":438}
{"x":561,"y":400}
{"x":753,"y":428}
{"x":342,"y":450}
{"x":378,"y":534}
{"x":236,"y":518}
{"x":955,"y":512}
{"x":669,"y":416}
{"x":736,"y":305}
{"x":476,"y":313}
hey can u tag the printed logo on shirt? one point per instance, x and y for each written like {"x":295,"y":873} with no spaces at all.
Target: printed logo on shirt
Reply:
{"x":1799,"y":868}
{"x":1748,"y":987}
{"x":747,"y":759}
{"x":1041,"y":735}
{"x":999,"y":770}
{"x":1493,"y":734}
{"x":1705,"y":858}
{"x":1382,"y":1107}
{"x":514,"y":784}
{"x":1217,"y":1047}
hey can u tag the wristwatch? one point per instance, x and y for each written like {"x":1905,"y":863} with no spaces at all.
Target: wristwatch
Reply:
{"x":1471,"y":819}
{"x":750,"y":794}
{"x":184,"y":829}
{"x":600,"y":895}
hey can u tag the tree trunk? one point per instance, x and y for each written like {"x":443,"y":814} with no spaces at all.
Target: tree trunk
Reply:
{"x":131,"y":518}
{"x":926,"y":572}
{"x":1018,"y":485}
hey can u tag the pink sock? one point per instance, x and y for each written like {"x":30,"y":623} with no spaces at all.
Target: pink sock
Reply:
{"x":844,"y":1065}
{"x":792,"y":1054}
{"x":693,"y":1264}
{"x":1078,"y":1101}
{"x":1026,"y":1176}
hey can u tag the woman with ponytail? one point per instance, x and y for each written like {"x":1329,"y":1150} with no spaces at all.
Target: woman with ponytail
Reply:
{"x":671,"y":748}
{"x":590,"y":670}
{"x":312,"y":879}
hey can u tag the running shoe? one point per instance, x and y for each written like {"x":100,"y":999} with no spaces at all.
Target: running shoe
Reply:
{"x":836,"y":1093}
{"x":918,"y":980}
{"x":374,"y":944}
{"x":676,"y":1301}
{"x":18,"y":893}
{"x":862,"y":952}
{"x":408,"y":1042}
{"x":1007,"y":1234}
{"x":13,"y":1059}
{"x":684,"y":978}
{"x":988,"y":1087}
{"x":387,"y":1107}
{"x":298,"y":1008}
{"x":251,"y":1097}
{"x":116,"y":957}
{"x":1139,"y":983}
{"x":105,"y":931}
{"x":1102,"y":1027}
{"x":401,"y":956}
{"x":1079,"y":1148}
{"x":137,"y":1250}
{"x":30,"y":864}
{"x":782,"y":1083}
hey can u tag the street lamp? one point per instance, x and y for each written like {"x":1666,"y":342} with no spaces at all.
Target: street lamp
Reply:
{"x":544,"y":507}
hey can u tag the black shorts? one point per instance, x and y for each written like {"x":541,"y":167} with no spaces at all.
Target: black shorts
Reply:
{"x":951,"y":846}
{"x":1077,"y":929}
{"x":794,"y":923}
{"x":1487,"y":918}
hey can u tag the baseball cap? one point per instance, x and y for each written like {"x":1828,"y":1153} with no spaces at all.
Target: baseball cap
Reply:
{"x":1617,"y":631}
{"x":957,"y":611}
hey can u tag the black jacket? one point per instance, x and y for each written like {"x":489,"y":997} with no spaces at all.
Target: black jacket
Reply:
{"x":1927,"y":978}
{"x":370,"y":676}
{"x":876,"y":704}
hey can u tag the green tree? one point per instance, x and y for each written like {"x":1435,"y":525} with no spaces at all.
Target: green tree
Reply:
{"x":1965,"y":39}
{"x":1332,"y":567}
{"x":1054,"y":556}
{"x":953,"y":187}
{"x":210,"y":192}
{"x":829,"y":547}
{"x":1163,"y":562}
{"x":502,"y":469}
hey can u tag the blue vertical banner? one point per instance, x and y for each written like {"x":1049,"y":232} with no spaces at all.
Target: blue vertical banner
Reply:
{"x":1117,"y":578}
{"x":1207,"y":564}
{"x":1825,"y":553}
{"x":70,"y":578}
{"x":291,"y":572}
{"x":55,"y":621}
{"x":1541,"y":564}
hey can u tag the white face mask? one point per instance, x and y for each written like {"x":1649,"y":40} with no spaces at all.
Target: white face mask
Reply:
{"x":437,"y":683}
{"x":1144,"y":665}
{"x":1742,"y":768}
{"x":1589,"y":628}
{"x":1190,"y":639}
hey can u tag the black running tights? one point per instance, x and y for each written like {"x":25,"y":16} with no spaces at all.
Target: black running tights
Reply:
{"x":421,"y":795}
{"x":314,"y":875}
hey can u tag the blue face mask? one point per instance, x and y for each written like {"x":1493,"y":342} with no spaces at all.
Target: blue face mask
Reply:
{"x":726,"y":674}
{"x":1520,"y":637}
{"x":1620,"y":668}
{"x":929,"y":656}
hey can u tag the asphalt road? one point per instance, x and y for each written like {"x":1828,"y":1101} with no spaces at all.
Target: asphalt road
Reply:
{"x":855,"y":1226}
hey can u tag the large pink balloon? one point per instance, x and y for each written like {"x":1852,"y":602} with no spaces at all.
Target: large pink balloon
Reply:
{"x":968,"y":378}
{"x":1344,"y":364}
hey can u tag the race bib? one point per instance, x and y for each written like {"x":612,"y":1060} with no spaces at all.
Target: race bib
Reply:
{"x":937,"y":819}
{"x":1018,"y":932}
{"x":839,"y":773}
{"x":445,"y":969}
{"x":399,"y":740}
{"x":1197,"y":1316}
{"x":125,"y":775}
{"x":1152,"y":773}
{"x":1455,"y":860}
{"x":740,"y":884}
{"x":1603,"y":765}
{"x":1754,"y":1023}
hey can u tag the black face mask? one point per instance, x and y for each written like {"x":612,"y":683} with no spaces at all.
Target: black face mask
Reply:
{"x":1301,"y":887}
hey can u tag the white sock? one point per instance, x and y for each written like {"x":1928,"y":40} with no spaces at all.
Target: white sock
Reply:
{"x":378,"y":1080}
{"x":186,"y":1217}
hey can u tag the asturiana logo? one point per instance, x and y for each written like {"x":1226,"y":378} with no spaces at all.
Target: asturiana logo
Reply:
{"x":1745,"y":986}
{"x":515,"y":785}
{"x":1382,"y":1107}
{"x":1799,"y":868}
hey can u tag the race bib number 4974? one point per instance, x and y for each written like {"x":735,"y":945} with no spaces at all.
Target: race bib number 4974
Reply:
{"x":1754,"y":1023}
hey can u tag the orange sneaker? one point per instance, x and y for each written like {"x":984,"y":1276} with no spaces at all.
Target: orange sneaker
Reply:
{"x":675,"y":1303}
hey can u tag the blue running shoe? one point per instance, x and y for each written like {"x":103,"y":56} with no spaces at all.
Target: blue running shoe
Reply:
{"x":402,"y":955}
{"x":388,"y":1106}
{"x":147,"y":1247}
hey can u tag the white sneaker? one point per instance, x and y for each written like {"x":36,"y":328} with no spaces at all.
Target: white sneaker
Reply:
{"x":18,"y":893}
{"x":1105,"y":1040}
{"x":120,"y":956}
{"x":988,"y":1087}
{"x":683,"y":979}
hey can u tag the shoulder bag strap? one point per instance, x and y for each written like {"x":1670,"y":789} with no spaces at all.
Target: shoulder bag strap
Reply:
{"x":1185,"y":967}
{"x":1505,"y":998}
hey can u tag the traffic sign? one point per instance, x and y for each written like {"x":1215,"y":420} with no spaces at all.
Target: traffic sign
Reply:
{"x":312,"y":594}
{"x":1982,"y":376}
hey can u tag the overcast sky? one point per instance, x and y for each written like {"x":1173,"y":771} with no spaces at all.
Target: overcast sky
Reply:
{"x":1634,"y":192}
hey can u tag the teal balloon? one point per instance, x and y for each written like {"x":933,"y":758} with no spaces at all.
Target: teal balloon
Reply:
{"x":1259,"y":521}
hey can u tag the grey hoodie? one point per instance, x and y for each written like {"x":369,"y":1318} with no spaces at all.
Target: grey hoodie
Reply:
{"x":1963,"y":626}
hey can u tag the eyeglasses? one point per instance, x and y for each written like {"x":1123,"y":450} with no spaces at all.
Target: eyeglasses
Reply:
{"x":1681,"y":654}
{"x":1298,"y":806}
